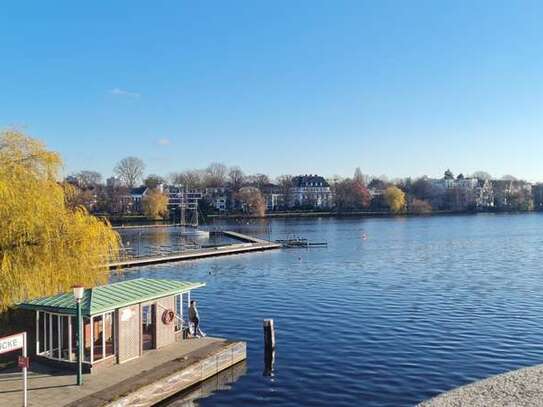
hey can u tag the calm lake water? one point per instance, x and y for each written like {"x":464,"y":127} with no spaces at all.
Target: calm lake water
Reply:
{"x":419,"y":307}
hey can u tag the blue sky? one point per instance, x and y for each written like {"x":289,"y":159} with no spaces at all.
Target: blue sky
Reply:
{"x":402,"y":88}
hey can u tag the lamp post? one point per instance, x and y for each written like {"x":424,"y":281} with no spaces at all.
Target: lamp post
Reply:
{"x":78,"y":294}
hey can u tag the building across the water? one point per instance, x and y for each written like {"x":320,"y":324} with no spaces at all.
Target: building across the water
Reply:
{"x":310,"y":190}
{"x":121,"y":321}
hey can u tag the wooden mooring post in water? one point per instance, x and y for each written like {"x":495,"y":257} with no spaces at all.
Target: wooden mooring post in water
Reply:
{"x":269,"y":336}
{"x":269,"y":346}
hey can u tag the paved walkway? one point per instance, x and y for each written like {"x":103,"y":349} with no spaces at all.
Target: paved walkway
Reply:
{"x":53,"y":388}
{"x":518,"y":388}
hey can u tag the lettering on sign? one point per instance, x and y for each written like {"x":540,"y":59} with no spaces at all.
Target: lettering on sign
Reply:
{"x":10,"y":343}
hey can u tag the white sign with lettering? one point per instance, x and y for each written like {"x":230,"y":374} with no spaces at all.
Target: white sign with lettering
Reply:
{"x":10,"y":343}
{"x":14,"y":342}
{"x":126,"y":314}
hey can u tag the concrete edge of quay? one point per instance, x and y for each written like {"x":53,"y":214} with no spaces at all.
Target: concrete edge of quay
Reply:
{"x":521,"y":387}
{"x":149,"y":387}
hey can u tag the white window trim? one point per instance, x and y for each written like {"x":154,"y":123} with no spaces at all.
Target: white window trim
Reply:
{"x":70,"y":356}
{"x":37,"y":332}
{"x":59,"y":339}
{"x":103,"y":338}
{"x":51,"y":336}
{"x":48,"y":336}
{"x":91,"y":340}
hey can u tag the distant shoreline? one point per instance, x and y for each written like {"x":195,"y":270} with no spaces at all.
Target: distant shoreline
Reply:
{"x":138,"y":221}
{"x":363,"y":214}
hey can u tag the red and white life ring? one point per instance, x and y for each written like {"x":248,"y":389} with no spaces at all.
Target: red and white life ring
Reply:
{"x":168,"y":316}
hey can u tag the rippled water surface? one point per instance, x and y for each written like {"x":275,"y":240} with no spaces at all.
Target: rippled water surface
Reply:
{"x":422,"y":306}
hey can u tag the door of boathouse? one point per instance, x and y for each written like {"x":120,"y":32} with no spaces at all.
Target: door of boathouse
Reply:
{"x":148,"y":328}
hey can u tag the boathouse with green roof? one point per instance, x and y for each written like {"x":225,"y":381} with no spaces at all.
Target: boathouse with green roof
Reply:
{"x":120,"y":321}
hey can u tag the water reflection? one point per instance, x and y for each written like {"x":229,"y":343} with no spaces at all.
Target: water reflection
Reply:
{"x":166,"y":240}
{"x":269,"y":362}
{"x":422,"y":306}
{"x":220,"y":382}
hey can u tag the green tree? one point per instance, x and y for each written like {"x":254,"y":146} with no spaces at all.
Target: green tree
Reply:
{"x":395,"y":199}
{"x":45,"y":246}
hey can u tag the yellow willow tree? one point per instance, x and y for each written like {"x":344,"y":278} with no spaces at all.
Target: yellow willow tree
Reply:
{"x":45,"y":246}
{"x":155,"y":205}
{"x":395,"y":199}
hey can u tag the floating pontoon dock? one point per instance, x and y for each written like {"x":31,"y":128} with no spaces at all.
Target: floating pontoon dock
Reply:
{"x":250,"y":244}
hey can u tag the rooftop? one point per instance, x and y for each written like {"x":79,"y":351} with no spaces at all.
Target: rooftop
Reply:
{"x":309,"y":180}
{"x":105,"y":298}
{"x":138,"y":190}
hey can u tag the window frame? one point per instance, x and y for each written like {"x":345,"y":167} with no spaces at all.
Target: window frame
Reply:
{"x":44,"y":324}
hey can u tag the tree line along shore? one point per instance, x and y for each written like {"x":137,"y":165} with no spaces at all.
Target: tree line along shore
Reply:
{"x":51,"y":238}
{"x":218,"y":190}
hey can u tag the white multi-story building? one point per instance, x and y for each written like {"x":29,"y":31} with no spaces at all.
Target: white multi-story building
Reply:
{"x":310,"y":190}
{"x":451,"y":183}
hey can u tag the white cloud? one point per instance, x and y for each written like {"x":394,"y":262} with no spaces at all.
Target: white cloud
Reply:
{"x":164,"y":141}
{"x":122,"y":92}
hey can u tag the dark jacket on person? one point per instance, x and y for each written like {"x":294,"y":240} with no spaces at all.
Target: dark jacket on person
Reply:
{"x":193,"y":313}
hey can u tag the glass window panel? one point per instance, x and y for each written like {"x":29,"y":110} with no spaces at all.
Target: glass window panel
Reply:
{"x":47,"y":322}
{"x":65,"y":353}
{"x":98,"y":333}
{"x":54,"y":345}
{"x":109,"y":334}
{"x":41,"y":331}
{"x":74,"y":339}
{"x":148,"y":329}
{"x":87,"y":339}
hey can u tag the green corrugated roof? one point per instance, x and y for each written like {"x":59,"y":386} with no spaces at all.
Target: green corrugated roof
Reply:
{"x":109,"y":297}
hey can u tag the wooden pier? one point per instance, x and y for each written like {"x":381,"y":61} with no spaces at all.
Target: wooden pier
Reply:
{"x":249,"y":244}
{"x":143,"y":382}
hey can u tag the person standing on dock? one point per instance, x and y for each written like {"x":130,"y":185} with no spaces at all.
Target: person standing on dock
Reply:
{"x":194,"y":318}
